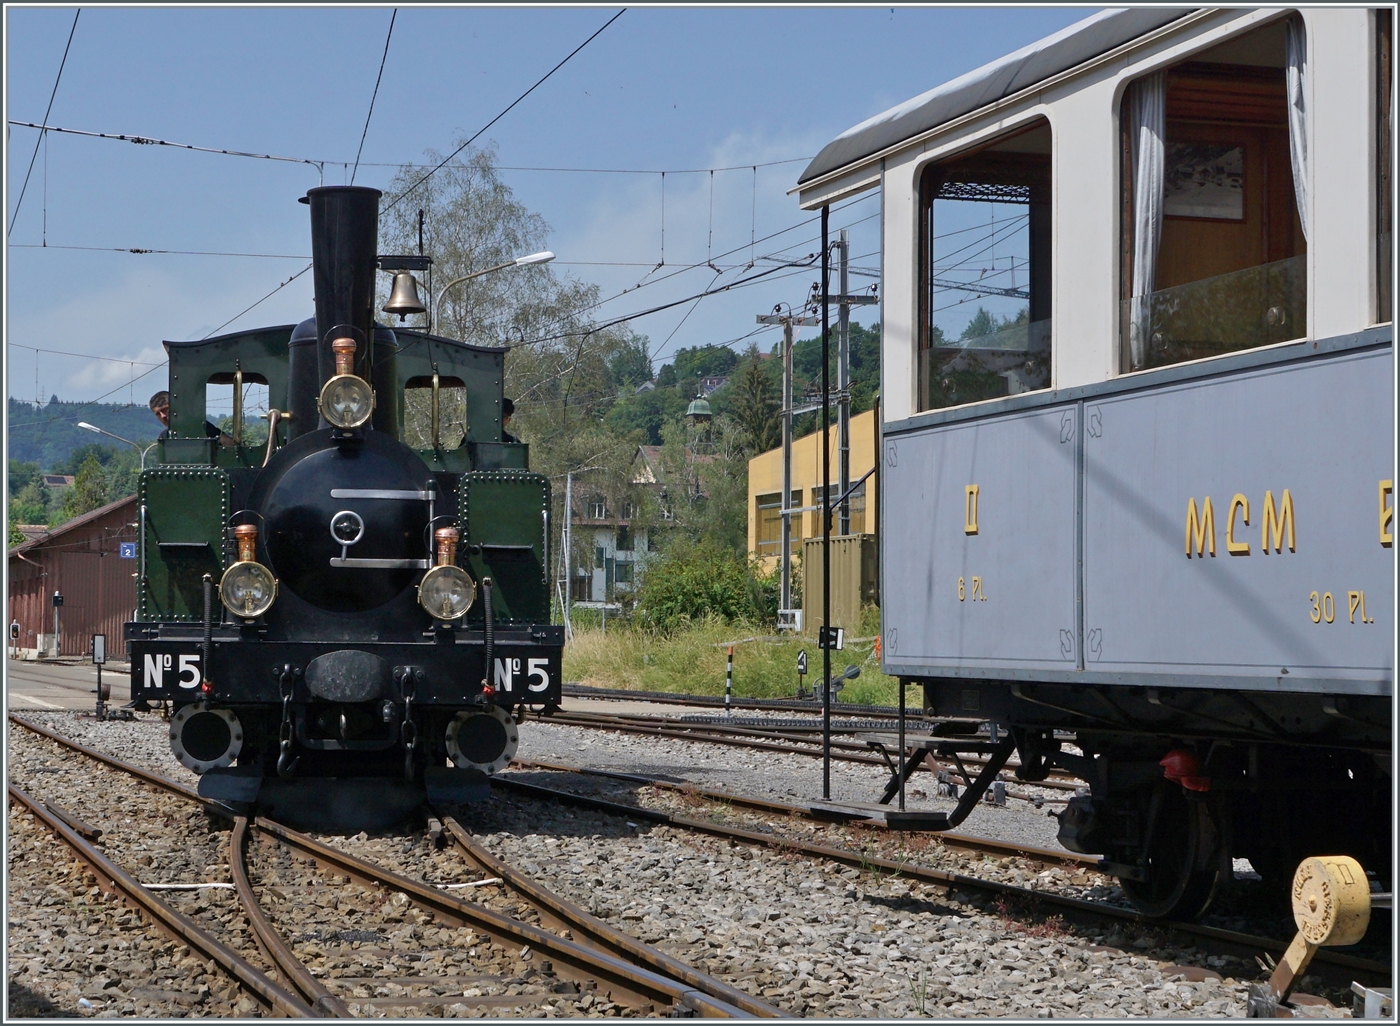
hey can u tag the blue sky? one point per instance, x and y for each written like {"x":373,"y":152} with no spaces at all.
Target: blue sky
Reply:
{"x":664,"y":88}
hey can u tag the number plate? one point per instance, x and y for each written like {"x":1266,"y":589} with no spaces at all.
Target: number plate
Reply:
{"x":166,"y":672}
{"x":531,"y":679}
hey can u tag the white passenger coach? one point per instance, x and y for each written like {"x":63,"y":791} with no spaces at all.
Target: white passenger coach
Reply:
{"x":1139,"y":427}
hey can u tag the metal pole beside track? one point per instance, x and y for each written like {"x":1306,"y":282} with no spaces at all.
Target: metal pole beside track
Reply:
{"x":568,"y":547}
{"x":729,"y":681}
{"x":826,"y":506}
{"x":902,"y":755}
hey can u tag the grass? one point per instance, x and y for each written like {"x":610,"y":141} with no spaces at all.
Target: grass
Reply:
{"x":693,"y":662}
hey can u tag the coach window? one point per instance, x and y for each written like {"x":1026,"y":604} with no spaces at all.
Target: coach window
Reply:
{"x":1214,"y":246}
{"x":984,"y":268}
{"x":418,"y":413}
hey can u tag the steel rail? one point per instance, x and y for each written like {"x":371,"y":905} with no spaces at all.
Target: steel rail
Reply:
{"x":178,"y":926}
{"x":941,"y":877}
{"x":731,"y":737}
{"x":717,"y":701}
{"x":604,"y":935}
{"x":745,"y":737}
{"x":584,"y":963}
{"x":949,"y":837}
{"x":292,"y":969}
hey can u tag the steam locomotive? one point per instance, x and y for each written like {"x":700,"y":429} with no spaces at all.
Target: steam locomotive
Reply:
{"x":356,"y":609}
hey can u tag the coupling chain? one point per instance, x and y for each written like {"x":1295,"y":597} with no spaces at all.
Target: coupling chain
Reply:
{"x":408,"y":729}
{"x":286,"y":762}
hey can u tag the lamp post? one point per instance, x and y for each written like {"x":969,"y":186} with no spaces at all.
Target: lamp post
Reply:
{"x":97,"y":430}
{"x":534,"y":258}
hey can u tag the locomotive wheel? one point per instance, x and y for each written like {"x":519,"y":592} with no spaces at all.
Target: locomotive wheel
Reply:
{"x":1184,"y":867}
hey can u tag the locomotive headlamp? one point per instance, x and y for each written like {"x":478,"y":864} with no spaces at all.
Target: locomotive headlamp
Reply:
{"x":346,"y":400}
{"x":447,"y":591}
{"x":247,"y":588}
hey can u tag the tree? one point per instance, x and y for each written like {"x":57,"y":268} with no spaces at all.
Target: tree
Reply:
{"x":754,"y":404}
{"x":29,"y":499}
{"x":89,"y":491}
{"x":631,"y":366}
{"x":643,"y":414}
{"x":708,"y":490}
{"x":703,"y":362}
{"x":560,"y":361}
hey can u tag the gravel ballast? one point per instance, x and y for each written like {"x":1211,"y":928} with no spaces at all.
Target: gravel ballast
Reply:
{"x":813,"y":937}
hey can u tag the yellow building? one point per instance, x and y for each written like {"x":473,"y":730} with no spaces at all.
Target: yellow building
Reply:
{"x":766,"y":486}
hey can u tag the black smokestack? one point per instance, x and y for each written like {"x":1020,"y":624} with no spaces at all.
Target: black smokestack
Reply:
{"x":344,"y":245}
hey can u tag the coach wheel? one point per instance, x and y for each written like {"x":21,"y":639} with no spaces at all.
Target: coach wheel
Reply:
{"x":484,"y":740}
{"x":204,"y":739}
{"x":1184,"y":870}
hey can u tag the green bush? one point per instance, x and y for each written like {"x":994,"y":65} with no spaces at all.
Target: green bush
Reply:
{"x":693,"y":583}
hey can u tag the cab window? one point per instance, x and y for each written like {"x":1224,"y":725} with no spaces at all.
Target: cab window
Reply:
{"x":246,"y":420}
{"x":418,"y":414}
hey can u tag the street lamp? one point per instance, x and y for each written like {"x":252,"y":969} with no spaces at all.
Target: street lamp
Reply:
{"x":533,"y":258}
{"x":97,"y":430}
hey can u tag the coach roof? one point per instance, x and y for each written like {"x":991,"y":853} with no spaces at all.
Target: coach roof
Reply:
{"x":1043,"y":59}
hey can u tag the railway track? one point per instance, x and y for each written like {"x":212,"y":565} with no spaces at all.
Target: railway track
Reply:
{"x":627,"y":970}
{"x":952,"y":839}
{"x":1018,"y":902}
{"x":717,"y":702}
{"x":1220,"y":940}
{"x":268,"y":993}
{"x":800,"y":739}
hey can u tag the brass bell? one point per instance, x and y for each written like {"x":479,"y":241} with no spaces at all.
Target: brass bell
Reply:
{"x":403,"y":300}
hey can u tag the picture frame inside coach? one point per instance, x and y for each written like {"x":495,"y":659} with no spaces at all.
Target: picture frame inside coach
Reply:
{"x":985,"y":271}
{"x":1213,"y":201}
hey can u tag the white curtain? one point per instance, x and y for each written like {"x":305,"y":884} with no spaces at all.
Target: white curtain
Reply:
{"x":1147,"y":105}
{"x":1297,"y":77}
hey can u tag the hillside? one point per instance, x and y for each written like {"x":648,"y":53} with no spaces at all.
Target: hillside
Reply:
{"x":49,"y":434}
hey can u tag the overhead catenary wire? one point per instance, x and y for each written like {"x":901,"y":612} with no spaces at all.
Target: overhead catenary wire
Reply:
{"x":70,"y":414}
{"x":593,"y":329}
{"x":375,"y":94}
{"x":48,"y":110}
{"x":141,"y":140}
{"x":319,"y":161}
{"x":731,"y":252}
{"x":401,"y":196}
{"x":264,"y":299}
{"x":142,"y":251}
{"x":84,"y":356}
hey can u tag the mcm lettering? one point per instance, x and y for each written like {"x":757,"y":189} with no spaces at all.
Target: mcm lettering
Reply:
{"x":1278,"y":527}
